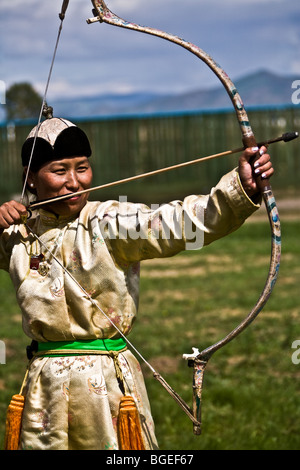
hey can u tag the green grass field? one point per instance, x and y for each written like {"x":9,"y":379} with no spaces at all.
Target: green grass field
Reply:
{"x":251,"y":387}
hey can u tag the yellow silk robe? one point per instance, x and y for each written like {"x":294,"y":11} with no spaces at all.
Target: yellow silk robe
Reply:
{"x":72,"y":402}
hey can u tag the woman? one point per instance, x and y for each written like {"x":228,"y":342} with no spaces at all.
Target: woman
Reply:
{"x":72,"y":397}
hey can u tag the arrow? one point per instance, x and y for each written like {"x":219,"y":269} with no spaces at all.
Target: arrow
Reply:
{"x":286,"y":137}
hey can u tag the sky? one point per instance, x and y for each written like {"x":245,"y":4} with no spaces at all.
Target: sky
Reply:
{"x":242,"y":36}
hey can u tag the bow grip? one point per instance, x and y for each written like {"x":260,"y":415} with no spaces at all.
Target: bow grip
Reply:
{"x":263,"y":184}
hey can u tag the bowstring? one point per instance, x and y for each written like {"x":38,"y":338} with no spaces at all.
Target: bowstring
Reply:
{"x":44,"y":103}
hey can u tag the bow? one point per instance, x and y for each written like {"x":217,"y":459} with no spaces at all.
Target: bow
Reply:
{"x":198,"y":360}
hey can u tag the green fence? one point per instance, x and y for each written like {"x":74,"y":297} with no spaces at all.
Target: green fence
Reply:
{"x":125,"y":146}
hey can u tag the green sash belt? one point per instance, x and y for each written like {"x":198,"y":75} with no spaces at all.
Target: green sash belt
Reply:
{"x":96,"y":346}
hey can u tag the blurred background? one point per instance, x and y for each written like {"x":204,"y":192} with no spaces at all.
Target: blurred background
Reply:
{"x":146,"y":104}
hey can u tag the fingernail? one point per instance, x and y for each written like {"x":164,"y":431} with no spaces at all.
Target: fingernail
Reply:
{"x":254,"y":149}
{"x":257,"y":171}
{"x":256,"y":164}
{"x":261,"y":152}
{"x":263,"y":175}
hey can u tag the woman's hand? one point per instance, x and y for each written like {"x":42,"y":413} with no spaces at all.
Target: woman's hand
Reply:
{"x":262,"y":167}
{"x":11,"y":213}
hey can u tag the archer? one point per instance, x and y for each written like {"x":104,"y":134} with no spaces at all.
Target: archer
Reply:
{"x":82,"y":380}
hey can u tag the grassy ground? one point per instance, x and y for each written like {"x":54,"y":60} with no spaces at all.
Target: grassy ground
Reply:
{"x":251,"y":389}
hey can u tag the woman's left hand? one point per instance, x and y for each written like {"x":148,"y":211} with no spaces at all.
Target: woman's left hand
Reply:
{"x":262,"y":167}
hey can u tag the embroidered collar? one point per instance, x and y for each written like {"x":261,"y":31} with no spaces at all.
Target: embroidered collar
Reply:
{"x":50,"y":219}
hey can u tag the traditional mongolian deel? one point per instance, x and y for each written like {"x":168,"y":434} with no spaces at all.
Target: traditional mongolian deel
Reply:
{"x":69,"y":394}
{"x":84,"y":272}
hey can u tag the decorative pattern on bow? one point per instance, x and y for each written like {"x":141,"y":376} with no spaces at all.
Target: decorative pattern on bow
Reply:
{"x":198,"y":360}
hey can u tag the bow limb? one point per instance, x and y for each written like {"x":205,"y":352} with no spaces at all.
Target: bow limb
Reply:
{"x":64,"y":8}
{"x":199,"y":359}
{"x":106,"y":16}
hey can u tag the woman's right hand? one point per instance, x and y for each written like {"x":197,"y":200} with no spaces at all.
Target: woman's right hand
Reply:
{"x":11,"y":213}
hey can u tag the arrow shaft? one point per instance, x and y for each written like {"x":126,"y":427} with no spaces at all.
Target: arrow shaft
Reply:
{"x":37,"y":204}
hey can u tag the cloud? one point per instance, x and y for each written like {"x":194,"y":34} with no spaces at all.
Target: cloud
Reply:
{"x":241,"y":36}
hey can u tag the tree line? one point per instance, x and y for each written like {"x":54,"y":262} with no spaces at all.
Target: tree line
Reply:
{"x":22,"y":102}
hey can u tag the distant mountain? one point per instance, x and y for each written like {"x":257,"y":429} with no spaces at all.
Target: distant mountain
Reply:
{"x":258,"y":89}
{"x":104,"y":105}
{"x":262,"y":88}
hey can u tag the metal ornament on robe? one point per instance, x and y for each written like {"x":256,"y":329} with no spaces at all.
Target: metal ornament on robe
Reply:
{"x":198,"y":359}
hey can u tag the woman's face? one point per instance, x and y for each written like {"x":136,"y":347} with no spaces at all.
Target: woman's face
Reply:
{"x":58,"y":177}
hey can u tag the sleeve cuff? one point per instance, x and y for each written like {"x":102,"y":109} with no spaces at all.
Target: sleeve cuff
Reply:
{"x":255,"y":203}
{"x":237,"y":198}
